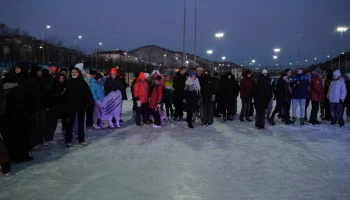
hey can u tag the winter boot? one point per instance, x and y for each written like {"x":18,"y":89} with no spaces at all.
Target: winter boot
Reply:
{"x":97,"y":127}
{"x":294,"y":119}
{"x":271,"y":122}
{"x":302,"y":122}
{"x":111,"y":125}
{"x":248,"y":120}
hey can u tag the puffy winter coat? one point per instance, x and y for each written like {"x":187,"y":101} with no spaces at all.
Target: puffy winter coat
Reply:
{"x":113,"y":85}
{"x":97,"y":90}
{"x":141,"y":91}
{"x":337,"y":91}
{"x":300,"y":85}
{"x":156,"y":96}
{"x":57,"y":93}
{"x":168,"y":91}
{"x":78,"y":94}
{"x":283,"y":91}
{"x":246,"y":86}
{"x":262,"y":92}
{"x":179,"y":86}
{"x":316,"y":88}
{"x":208,"y":88}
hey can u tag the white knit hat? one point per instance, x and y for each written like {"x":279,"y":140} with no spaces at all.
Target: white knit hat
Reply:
{"x":80,"y":66}
{"x":336,"y":73}
{"x":264,"y":71}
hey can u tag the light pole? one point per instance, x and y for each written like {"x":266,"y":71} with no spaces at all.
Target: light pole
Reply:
{"x":195,"y":33}
{"x":223,"y":62}
{"x":252,"y":63}
{"x":99,"y":44}
{"x":219,"y":35}
{"x":75,"y":45}
{"x":275,"y":58}
{"x":184,"y":36}
{"x":42,"y":40}
{"x":299,"y":34}
{"x":341,"y":30}
{"x":164,"y":59}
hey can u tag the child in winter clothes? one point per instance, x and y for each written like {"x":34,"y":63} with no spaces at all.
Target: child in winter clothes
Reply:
{"x":141,"y":91}
{"x":347,"y":98}
{"x":168,"y":96}
{"x":156,"y":98}
{"x":96,"y":86}
{"x":191,"y":96}
{"x":336,"y":95}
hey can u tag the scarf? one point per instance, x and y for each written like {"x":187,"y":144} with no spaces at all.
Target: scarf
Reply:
{"x":194,"y":83}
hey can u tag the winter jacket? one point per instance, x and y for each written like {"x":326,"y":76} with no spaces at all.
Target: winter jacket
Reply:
{"x":78,"y":94}
{"x":179,"y":85}
{"x":228,"y":89}
{"x":347,"y":98}
{"x":191,"y":95}
{"x":316,"y":88}
{"x":97,"y":89}
{"x":216,"y":83}
{"x":30,"y":88}
{"x":156,"y":96}
{"x":300,"y":85}
{"x":283,"y":91}
{"x":246,"y":87}
{"x":262,"y":92}
{"x":337,"y":91}
{"x":113,"y":85}
{"x":141,"y":91}
{"x":42,"y":85}
{"x":168,"y":91}
{"x":57,"y":94}
{"x":208,"y":89}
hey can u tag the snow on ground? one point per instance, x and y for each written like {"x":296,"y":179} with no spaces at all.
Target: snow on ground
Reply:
{"x":229,"y":161}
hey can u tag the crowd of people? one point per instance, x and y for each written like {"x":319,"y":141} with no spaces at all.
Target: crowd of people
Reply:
{"x":33,"y":100}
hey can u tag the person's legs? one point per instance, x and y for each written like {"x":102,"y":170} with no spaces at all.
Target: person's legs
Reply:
{"x":340,"y":114}
{"x":248,"y":110}
{"x":257,"y":117}
{"x":269,"y":109}
{"x":69,"y":133}
{"x":97,"y":115}
{"x":302,"y":103}
{"x":52,"y":116}
{"x":262,"y":116}
{"x":189,"y":117}
{"x":327,"y":109}
{"x":322,"y":109}
{"x":210,"y":113}
{"x":314,"y":111}
{"x":277,"y":110}
{"x":294,"y":107}
{"x":167,"y":108}
{"x":204,"y":114}
{"x":138,"y":115}
{"x":156,"y":116}
{"x":243,"y":110}
{"x":81,"y":124}
{"x":307,"y":102}
{"x":333,"y":108}
{"x":234,"y":106}
{"x":145,"y":116}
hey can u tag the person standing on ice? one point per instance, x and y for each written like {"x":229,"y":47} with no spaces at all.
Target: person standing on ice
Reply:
{"x":141,"y":91}
{"x":208,"y":89}
{"x":191,"y":96}
{"x":283,"y":95}
{"x":79,"y":97}
{"x":262,"y":96}
{"x":168,"y":97}
{"x":134,"y":107}
{"x":155,"y":100}
{"x":179,"y":85}
{"x":96,"y":86}
{"x":227,"y":93}
{"x":300,"y":85}
{"x":326,"y":104}
{"x":113,"y":83}
{"x":336,"y":95}
{"x":246,"y":91}
{"x":316,"y":95}
{"x":347,"y":98}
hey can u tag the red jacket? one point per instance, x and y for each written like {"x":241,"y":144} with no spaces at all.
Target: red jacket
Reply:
{"x":316,"y":88}
{"x":141,"y":91}
{"x":156,"y":96}
{"x":246,"y":86}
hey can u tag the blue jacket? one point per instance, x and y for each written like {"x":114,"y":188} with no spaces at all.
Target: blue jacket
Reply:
{"x":300,"y":85}
{"x":97,"y":90}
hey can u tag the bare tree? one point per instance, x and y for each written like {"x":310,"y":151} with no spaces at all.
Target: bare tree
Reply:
{"x":53,"y":48}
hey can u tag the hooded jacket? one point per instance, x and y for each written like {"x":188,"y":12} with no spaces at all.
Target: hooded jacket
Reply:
{"x":262,"y":92}
{"x":156,"y":96}
{"x":141,"y":88}
{"x":337,"y":91}
{"x":41,"y":97}
{"x":78,"y":94}
{"x":192,"y":93}
{"x":316,"y":88}
{"x":246,"y":86}
{"x":179,"y":86}
{"x":97,"y":89}
{"x":113,"y":85}
{"x":228,"y":88}
{"x":57,"y":93}
{"x":283,"y":91}
{"x":208,"y":88}
{"x":300,"y":84}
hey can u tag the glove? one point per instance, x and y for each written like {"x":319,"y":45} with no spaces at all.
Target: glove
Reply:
{"x":138,"y":103}
{"x":341,"y":101}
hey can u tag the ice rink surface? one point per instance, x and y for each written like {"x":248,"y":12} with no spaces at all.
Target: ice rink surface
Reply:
{"x":231,"y":160}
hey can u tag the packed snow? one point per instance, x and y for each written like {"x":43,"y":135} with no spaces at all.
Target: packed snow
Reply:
{"x":231,"y":160}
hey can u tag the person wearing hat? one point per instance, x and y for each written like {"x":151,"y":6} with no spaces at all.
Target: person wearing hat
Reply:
{"x":208,"y":92}
{"x":192,"y":96}
{"x":300,"y":86}
{"x":264,"y":72}
{"x":156,"y":100}
{"x":316,"y":95}
{"x":141,"y":93}
{"x":336,"y":95}
{"x":179,"y":85}
{"x":63,"y":71}
{"x":53,"y":70}
{"x":347,"y":98}
{"x":168,"y":97}
{"x":134,"y":107}
{"x":86,"y":78}
{"x":113,"y":83}
{"x":326,"y":104}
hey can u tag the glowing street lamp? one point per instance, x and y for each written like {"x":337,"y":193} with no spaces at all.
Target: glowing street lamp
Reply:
{"x":99,"y":44}
{"x":209,"y":52}
{"x":277,"y":50}
{"x":341,"y":30}
{"x":219,"y":35}
{"x":275,"y":57}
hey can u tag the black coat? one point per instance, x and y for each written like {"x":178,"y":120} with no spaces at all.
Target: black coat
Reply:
{"x":228,"y":89}
{"x":191,"y":96}
{"x":57,"y":94}
{"x":283,"y":92}
{"x":125,"y":85}
{"x":262,"y":92}
{"x":31,"y":90}
{"x":208,"y":88}
{"x":179,"y":86}
{"x":113,"y":85}
{"x":78,"y":95}
{"x":347,"y":98}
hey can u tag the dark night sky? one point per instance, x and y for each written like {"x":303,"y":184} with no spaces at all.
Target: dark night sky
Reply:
{"x":252,"y":27}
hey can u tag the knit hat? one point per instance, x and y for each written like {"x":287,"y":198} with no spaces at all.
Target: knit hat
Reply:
{"x":193,"y":74}
{"x":53,"y":68}
{"x":336,"y":73}
{"x":98,"y":76}
{"x":114,"y":71}
{"x":169,"y":77}
{"x":318,"y":71}
{"x":80,"y":66}
{"x":264,"y":71}
{"x":142,"y":75}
